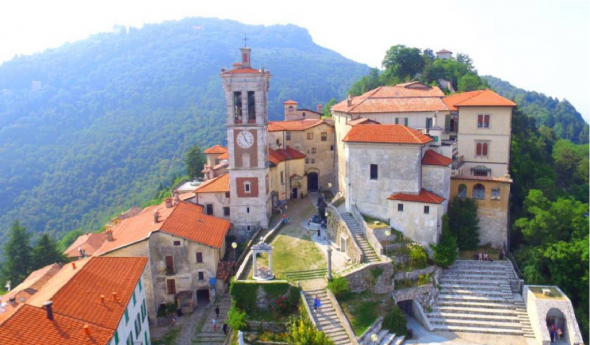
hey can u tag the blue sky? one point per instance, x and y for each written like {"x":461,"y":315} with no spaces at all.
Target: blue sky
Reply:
{"x":536,"y":45}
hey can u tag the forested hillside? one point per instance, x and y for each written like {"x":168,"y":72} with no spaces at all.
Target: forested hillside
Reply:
{"x":547,"y":111}
{"x":94,"y":127}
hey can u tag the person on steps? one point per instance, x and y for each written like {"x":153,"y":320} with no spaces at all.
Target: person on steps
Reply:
{"x":217,"y":311}
{"x":214,"y":325}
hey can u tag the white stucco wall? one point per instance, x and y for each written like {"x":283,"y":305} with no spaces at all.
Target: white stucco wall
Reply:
{"x":414,"y":223}
{"x":218,"y":200}
{"x":126,"y":327}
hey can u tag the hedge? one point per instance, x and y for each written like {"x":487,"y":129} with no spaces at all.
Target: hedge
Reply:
{"x":244,"y":293}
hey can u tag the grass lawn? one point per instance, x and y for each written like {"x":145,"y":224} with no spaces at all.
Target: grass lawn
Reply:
{"x":169,"y":338}
{"x":375,"y":223}
{"x":293,"y":249}
{"x":553,"y":294}
{"x":363,"y":309}
{"x":472,"y":254}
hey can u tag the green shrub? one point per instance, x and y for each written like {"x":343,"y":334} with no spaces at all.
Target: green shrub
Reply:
{"x":423,"y":279}
{"x":445,"y":252}
{"x":236,"y":319}
{"x":338,"y":286}
{"x":395,"y":321}
{"x":376,"y":271}
{"x":302,"y":331}
{"x":244,"y":293}
{"x":418,"y":256}
{"x":464,"y":223}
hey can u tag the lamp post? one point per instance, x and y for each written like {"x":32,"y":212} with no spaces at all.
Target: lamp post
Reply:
{"x":387,"y":234}
{"x":234,"y":245}
{"x":374,"y":338}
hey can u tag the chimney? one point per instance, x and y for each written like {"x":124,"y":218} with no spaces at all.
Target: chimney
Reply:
{"x":49,"y":309}
{"x":115,"y":296}
{"x":109,"y":235}
{"x":86,"y":329}
{"x":176,"y":197}
{"x":245,"y":57}
{"x":73,"y":265}
{"x":156,"y":216}
{"x":349,"y":100}
{"x":319,"y":108}
{"x":168,"y":203}
{"x":102,"y":299}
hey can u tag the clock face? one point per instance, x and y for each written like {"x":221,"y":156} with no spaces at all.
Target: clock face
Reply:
{"x":245,"y":139}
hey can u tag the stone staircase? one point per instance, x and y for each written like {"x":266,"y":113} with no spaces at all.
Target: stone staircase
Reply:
{"x":295,"y":276}
{"x":326,"y":318}
{"x":206,"y":335}
{"x":475,"y":296}
{"x":369,"y":254}
{"x":383,"y":337}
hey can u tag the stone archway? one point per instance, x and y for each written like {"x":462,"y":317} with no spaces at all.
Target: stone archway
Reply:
{"x":262,"y":273}
{"x":557,"y":317}
{"x":313,"y":181}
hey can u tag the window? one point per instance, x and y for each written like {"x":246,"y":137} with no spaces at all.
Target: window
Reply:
{"x":426,"y":209}
{"x":137,"y":325}
{"x":303,"y":114}
{"x":481,"y":149}
{"x":400,"y":207}
{"x":209,"y":209}
{"x":462,"y":191}
{"x":247,"y":187}
{"x":117,"y":337}
{"x":143,"y":310}
{"x":227,"y":195}
{"x":248,"y":211}
{"x":313,"y":150}
{"x":479,"y":191}
{"x":246,"y":160}
{"x":282,"y":177}
{"x":324,"y":136}
{"x":251,"y":106}
{"x":130,"y":339}
{"x":313,"y":161}
{"x":201,"y":276}
{"x":169,"y":264}
{"x":308,"y":151}
{"x":290,"y":108}
{"x":397,"y":120}
{"x":332,"y":148}
{"x":428,"y":122}
{"x":374,"y":171}
{"x":237,"y":106}
{"x":287,"y":136}
{"x":140,"y":285}
{"x":435,"y":139}
{"x":216,"y":160}
{"x":134,"y":299}
{"x":495,"y":194}
{"x":199,"y":257}
{"x":306,"y":160}
{"x":171,"y":285}
{"x":126,"y":316}
{"x":309,"y":136}
{"x":226,"y":211}
{"x":483,"y":121}
{"x":145,"y":339}
{"x":405,"y":121}
{"x":177,"y":243}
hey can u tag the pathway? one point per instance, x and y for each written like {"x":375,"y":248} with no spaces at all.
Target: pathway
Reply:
{"x":206,"y":334}
{"x":369,"y":254}
{"x":325,"y":316}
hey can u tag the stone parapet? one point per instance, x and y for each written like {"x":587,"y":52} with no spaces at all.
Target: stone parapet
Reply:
{"x":365,"y":279}
{"x":413,"y":275}
{"x":369,"y":233}
{"x":337,"y":229}
{"x":342,"y":317}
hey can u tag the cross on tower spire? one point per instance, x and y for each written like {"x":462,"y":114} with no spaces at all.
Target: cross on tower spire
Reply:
{"x":245,"y":40}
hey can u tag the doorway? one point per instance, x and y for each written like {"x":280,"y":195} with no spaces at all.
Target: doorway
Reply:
{"x":312,"y":181}
{"x":406,"y":306}
{"x":294,"y":193}
{"x":202,"y":297}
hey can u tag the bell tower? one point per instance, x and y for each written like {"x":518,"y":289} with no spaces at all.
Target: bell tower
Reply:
{"x":246,"y":99}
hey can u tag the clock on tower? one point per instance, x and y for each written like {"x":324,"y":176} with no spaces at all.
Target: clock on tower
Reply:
{"x":246,"y":98}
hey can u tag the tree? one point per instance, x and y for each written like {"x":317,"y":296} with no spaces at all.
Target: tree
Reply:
{"x":236,"y":319}
{"x":367,"y":83}
{"x":327,"y":106}
{"x":17,"y":255}
{"x":466,"y":60}
{"x":46,"y":253}
{"x":403,"y":62}
{"x":338,"y":286}
{"x":195,"y":160}
{"x":469,"y":82}
{"x":445,"y":252}
{"x":464,"y":223}
{"x":395,"y":321}
{"x":302,"y":332}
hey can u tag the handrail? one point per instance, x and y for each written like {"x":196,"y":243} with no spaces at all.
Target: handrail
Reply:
{"x":348,"y":232}
{"x":342,"y":317}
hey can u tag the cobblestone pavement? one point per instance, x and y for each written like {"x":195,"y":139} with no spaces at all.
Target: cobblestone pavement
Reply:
{"x":206,"y":334}
{"x":187,"y":325}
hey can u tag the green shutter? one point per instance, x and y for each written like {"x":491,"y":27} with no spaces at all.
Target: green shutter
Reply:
{"x":146,"y":339}
{"x":447,"y":123}
{"x":116,"y":338}
{"x":126,"y":316}
{"x":406,"y":121}
{"x":140,"y":284}
{"x":397,"y":120}
{"x":134,"y":300}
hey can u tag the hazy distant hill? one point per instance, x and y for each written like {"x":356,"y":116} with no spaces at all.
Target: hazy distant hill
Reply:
{"x":93,"y":127}
{"x":548,"y":111}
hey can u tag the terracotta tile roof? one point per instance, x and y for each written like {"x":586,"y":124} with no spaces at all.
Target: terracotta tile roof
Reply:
{"x":188,"y":221}
{"x":216,"y":149}
{"x":220,"y":165}
{"x":479,"y":98}
{"x":88,"y":242}
{"x":274,"y":157}
{"x":225,"y":270}
{"x":185,"y":196}
{"x":290,"y":153}
{"x":219,"y":184}
{"x":242,"y":70}
{"x":408,"y":97}
{"x":362,"y":121}
{"x":434,"y":158}
{"x":290,"y":102}
{"x":504,"y":179}
{"x":444,"y":51}
{"x":297,"y":125}
{"x":424,"y":197}
{"x":30,"y":326}
{"x":390,"y":134}
{"x":224,"y":156}
{"x":80,"y":297}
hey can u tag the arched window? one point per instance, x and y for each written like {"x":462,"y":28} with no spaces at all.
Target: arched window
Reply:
{"x":484,"y":149}
{"x":479,"y":191}
{"x":290,"y":108}
{"x":246,"y":160}
{"x":478,"y":149}
{"x":462,"y":191}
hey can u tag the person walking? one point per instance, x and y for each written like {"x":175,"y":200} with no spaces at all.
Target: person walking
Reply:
{"x":480,"y":256}
{"x":319,"y":233}
{"x":315,"y":303}
{"x":552,"y":332}
{"x":559,"y":333}
{"x":217,"y":311}
{"x":319,"y":303}
{"x":214,"y":325}
{"x":224,"y":328}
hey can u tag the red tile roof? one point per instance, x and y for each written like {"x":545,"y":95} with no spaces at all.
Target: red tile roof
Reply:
{"x":479,"y":98}
{"x":290,"y":153}
{"x":88,"y":242}
{"x":80,"y":298}
{"x":434,"y":158}
{"x":30,"y":326}
{"x":290,"y":102}
{"x":297,"y":125}
{"x":216,"y":149}
{"x":390,"y":134}
{"x":408,"y":97}
{"x":188,"y":221}
{"x":224,"y":156}
{"x":225,"y":270}
{"x":424,"y":197}
{"x":362,"y":121}
{"x":219,"y":184}
{"x":242,"y":70}
{"x":444,"y":51}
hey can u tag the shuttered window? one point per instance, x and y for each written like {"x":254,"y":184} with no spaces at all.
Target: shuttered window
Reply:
{"x":171,"y":285}
{"x":478,"y":149}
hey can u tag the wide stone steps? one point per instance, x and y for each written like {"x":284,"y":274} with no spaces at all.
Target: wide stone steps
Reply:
{"x":477,"y":317}
{"x":369,"y":254}
{"x":476,"y":323}
{"x":467,"y":281}
{"x":475,"y":287}
{"x":475,"y":276}
{"x":473,"y":304}
{"x":475,"y":329}
{"x":465,"y":292}
{"x":306,"y":275}
{"x":474,"y":310}
{"x":326,"y":317}
{"x":206,"y":335}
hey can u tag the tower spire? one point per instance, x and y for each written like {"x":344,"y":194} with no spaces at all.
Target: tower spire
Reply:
{"x":245,"y":40}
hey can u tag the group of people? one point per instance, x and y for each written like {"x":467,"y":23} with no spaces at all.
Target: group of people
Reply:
{"x":555,"y":332}
{"x":484,"y":257}
{"x":317,"y":303}
{"x":224,"y":328}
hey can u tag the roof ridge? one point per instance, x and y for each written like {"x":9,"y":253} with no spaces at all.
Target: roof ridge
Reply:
{"x":361,"y":102}
{"x":475,"y":94}
{"x":410,"y":132}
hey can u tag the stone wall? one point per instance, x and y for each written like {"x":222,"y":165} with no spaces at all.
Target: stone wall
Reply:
{"x":369,"y":233}
{"x":493,"y":225}
{"x":413,"y":275}
{"x":364,"y":279}
{"x":426,"y":295}
{"x":275,"y":327}
{"x":337,"y":229}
